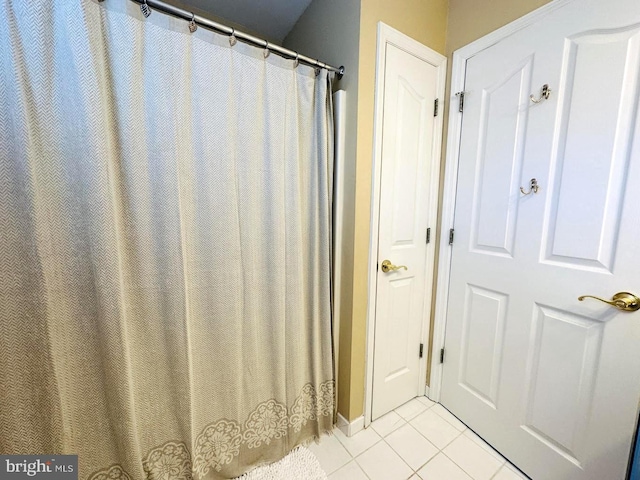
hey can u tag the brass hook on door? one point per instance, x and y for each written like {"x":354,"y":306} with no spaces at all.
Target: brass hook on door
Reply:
{"x":533,"y":187}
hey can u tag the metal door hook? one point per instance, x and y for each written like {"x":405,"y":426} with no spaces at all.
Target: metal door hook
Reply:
{"x":545,"y":92}
{"x":533,"y":187}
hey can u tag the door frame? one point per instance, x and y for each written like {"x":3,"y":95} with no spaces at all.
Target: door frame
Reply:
{"x":454,"y":135}
{"x":388,"y":35}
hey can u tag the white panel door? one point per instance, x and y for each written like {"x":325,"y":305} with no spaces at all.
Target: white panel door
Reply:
{"x":407,"y":169}
{"x":552,"y":382}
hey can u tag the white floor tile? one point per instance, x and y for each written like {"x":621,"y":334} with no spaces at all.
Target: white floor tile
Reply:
{"x":435,"y":428}
{"x":331,"y":454}
{"x":441,"y":468}
{"x":508,"y":472}
{"x":472,"y":458}
{"x":387,"y":423}
{"x":411,"y":409}
{"x":448,"y":416}
{"x":483,"y":444}
{"x":380,"y":462}
{"x":411,"y":446}
{"x":427,"y":401}
{"x":351,"y":471}
{"x":359,"y":442}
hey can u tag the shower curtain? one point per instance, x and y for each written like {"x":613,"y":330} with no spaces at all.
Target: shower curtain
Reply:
{"x":164,"y":244}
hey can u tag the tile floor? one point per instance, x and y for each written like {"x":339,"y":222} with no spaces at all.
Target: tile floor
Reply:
{"x":419,"y":440}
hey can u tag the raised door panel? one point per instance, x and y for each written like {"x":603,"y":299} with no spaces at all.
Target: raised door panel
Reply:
{"x":398,"y":361}
{"x":563,"y":361}
{"x":482,"y":341}
{"x":499,"y":156}
{"x":594,"y":127}
{"x":408,"y":164}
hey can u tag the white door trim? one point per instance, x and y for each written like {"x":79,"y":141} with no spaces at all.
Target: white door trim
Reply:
{"x":458,"y":75}
{"x":389,"y":35}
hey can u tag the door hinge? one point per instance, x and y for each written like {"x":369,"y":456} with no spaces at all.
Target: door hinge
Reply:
{"x":421,"y":349}
{"x":435,"y":107}
{"x":460,"y":96}
{"x":442,"y":355}
{"x":428,"y":235}
{"x":451,"y":236}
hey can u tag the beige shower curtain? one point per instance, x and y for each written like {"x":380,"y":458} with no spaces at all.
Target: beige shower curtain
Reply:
{"x":164,"y":244}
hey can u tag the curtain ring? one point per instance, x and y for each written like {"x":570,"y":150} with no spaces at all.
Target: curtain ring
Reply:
{"x":296,"y":60}
{"x":232,"y":38}
{"x":266,"y":52}
{"x":192,"y":24}
{"x":317,"y":69}
{"x":144,"y":8}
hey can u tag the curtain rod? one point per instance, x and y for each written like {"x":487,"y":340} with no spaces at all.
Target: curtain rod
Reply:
{"x":245,"y":37}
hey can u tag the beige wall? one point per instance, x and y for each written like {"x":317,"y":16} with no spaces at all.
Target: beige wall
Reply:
{"x":472,"y":19}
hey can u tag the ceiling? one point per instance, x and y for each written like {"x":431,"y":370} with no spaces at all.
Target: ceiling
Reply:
{"x":272,"y":19}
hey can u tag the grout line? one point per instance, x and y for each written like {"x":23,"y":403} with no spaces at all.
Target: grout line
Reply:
{"x":494,"y":475}
{"x":429,"y":461}
{"x":492,"y":450}
{"x":425,"y":463}
{"x":345,"y":447}
{"x":402,"y":459}
{"x":449,"y":443}
{"x":458,"y":436}
{"x":428,"y":441}
{"x":446,"y":420}
{"x":362,"y":469}
{"x":440,"y":450}
{"x":460,"y":466}
{"x":368,"y":448}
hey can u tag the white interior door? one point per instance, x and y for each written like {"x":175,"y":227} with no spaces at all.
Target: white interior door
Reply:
{"x":406,"y":213}
{"x":552,"y":382}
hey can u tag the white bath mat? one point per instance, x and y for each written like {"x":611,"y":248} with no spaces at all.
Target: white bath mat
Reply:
{"x":300,"y":464}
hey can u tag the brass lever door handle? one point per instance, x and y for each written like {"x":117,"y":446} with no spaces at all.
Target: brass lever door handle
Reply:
{"x":625,"y":301}
{"x":387,"y":266}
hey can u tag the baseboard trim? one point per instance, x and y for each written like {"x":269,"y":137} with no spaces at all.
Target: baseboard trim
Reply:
{"x":350,"y":428}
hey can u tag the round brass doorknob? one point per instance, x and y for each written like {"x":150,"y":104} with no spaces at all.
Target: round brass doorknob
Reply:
{"x":387,"y":266}
{"x":625,"y":301}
